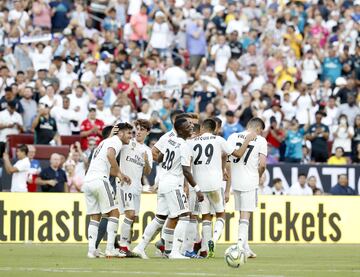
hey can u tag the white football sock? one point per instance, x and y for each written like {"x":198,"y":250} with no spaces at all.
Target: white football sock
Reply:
{"x":168,"y":236}
{"x":112,"y":228}
{"x":150,"y":231}
{"x":218,"y":229}
{"x":190,"y":236}
{"x":243,"y":232}
{"x":179,"y":234}
{"x":125,"y":232}
{"x":206,"y":234}
{"x":92,"y":234}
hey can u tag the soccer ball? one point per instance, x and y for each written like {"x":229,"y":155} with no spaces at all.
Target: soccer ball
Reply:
{"x":235,"y":257}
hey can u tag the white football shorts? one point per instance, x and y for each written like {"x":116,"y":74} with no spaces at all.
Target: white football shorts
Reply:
{"x":129,"y":201}
{"x":194,"y":204}
{"x":245,"y":201}
{"x":214,"y":202}
{"x":173,"y":203}
{"x":99,"y":197}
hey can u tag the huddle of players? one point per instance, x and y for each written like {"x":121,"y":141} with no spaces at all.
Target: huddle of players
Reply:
{"x":193,"y":163}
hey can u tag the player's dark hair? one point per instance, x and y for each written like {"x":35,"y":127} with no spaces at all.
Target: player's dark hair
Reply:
{"x":193,"y":115}
{"x":143,"y":123}
{"x":276,"y":180}
{"x":256,"y":122}
{"x":196,"y":128}
{"x":105,"y":133}
{"x":175,"y":113}
{"x":124,"y":126}
{"x":179,"y":122}
{"x":183,"y":115}
{"x":217,"y":120}
{"x":23,"y":148}
{"x":301,"y":174}
{"x":209,"y":124}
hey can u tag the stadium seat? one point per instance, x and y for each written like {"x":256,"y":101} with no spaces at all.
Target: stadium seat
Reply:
{"x":43,"y":152}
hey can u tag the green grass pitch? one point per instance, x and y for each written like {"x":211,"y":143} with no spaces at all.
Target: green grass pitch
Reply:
{"x":273,"y":260}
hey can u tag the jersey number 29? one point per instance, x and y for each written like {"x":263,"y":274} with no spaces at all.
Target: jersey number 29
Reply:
{"x":209,"y":151}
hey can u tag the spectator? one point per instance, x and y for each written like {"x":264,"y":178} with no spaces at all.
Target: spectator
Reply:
{"x":19,"y":170}
{"x":10,"y":124}
{"x":274,"y":136}
{"x":59,"y":15}
{"x":312,"y":183}
{"x":350,"y":109}
{"x":91,"y":127}
{"x":139,"y":26}
{"x":301,"y":187}
{"x":220,"y":53}
{"x":65,"y":117}
{"x":274,"y":111}
{"x":294,"y":142}
{"x":51,"y":98}
{"x":356,"y":137}
{"x":356,"y":155}
{"x":263,"y":189}
{"x":130,"y":89}
{"x":30,"y":108}
{"x":41,"y":14}
{"x":343,"y":133}
{"x":278,"y":188}
{"x":195,"y":40}
{"x":235,"y":45}
{"x":342,"y":187}
{"x":231,"y":125}
{"x":338,"y":157}
{"x":175,"y":76}
{"x":331,"y":66}
{"x":74,"y":182}
{"x":310,"y":68}
{"x":318,"y":134}
{"x":19,"y":16}
{"x":10,"y":96}
{"x":35,"y":169}
{"x":53,"y":178}
{"x":161,"y":36}
{"x":203,"y":95}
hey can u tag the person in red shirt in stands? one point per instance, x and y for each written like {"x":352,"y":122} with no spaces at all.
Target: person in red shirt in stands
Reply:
{"x":91,"y":128}
{"x":274,"y":137}
{"x":130,"y":89}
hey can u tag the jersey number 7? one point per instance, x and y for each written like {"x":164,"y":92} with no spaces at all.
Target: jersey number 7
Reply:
{"x":248,"y":152}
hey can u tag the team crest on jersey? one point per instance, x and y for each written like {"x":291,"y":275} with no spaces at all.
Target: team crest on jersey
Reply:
{"x":132,"y":145}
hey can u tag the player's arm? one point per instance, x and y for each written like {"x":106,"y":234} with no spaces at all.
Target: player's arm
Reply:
{"x":228,"y":183}
{"x":7,"y":164}
{"x":190,"y":179}
{"x":224,"y":159}
{"x":156,"y":153}
{"x":147,"y":166}
{"x":262,"y":164}
{"x":114,"y":169}
{"x":240,"y":152}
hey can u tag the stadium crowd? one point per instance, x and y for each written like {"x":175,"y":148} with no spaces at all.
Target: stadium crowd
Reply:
{"x":73,"y":67}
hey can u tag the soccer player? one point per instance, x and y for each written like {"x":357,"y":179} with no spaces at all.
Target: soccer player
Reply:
{"x":245,"y":175}
{"x":172,"y":200}
{"x":99,"y":195}
{"x":207,"y":168}
{"x":135,"y":161}
{"x":158,"y":222}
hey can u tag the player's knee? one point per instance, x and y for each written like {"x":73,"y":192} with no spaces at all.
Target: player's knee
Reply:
{"x":183,"y":215}
{"x":220,"y":215}
{"x":130,"y":215}
{"x":207,"y":217}
{"x":114,"y":213}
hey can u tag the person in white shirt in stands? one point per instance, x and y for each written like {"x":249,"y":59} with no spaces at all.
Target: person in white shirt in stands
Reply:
{"x":160,"y":35}
{"x":79,"y":101}
{"x":103,"y":113}
{"x":175,"y":75}
{"x":277,"y":188}
{"x":51,"y":99}
{"x":221,"y":53}
{"x":263,"y":189}
{"x":301,"y":187}
{"x":67,"y":75}
{"x":41,"y":56}
{"x":245,"y":175}
{"x":64,"y":117}
{"x":11,"y":123}
{"x":19,"y":170}
{"x":20,"y":16}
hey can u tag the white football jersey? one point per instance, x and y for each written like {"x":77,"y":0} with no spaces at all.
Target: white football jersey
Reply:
{"x":100,"y":165}
{"x":132,"y":164}
{"x":160,"y":145}
{"x":244,"y":171}
{"x":177,"y":154}
{"x":207,"y":152}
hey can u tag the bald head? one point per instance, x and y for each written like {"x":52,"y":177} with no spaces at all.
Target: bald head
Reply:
{"x":55,"y":160}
